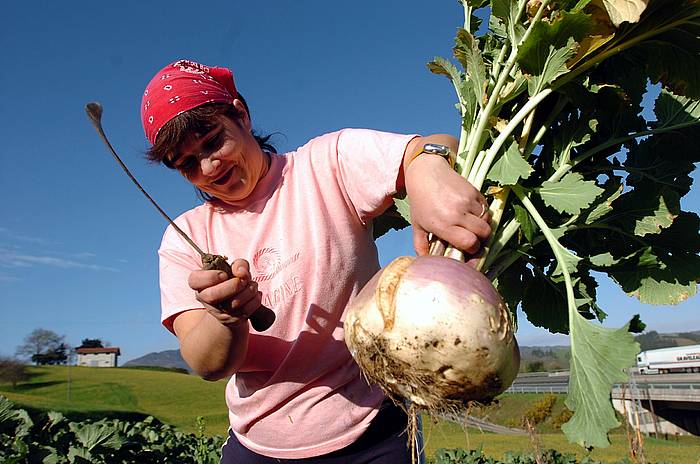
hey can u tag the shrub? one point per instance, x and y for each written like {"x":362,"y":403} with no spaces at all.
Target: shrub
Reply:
{"x":540,"y":410}
{"x":13,"y":371}
{"x":562,"y":418}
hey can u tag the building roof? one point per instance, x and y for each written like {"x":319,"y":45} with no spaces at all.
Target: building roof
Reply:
{"x":111,"y":349}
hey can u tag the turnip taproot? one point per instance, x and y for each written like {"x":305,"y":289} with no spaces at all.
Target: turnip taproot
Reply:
{"x":433,"y":330}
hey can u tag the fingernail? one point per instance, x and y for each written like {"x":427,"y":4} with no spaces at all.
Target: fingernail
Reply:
{"x":223,"y":276}
{"x":242,"y":270}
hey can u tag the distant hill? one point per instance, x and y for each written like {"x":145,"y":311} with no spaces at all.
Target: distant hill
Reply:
{"x":652,"y":340}
{"x":167,"y":358}
{"x":554,"y":358}
{"x":544,"y":358}
{"x":533,"y":358}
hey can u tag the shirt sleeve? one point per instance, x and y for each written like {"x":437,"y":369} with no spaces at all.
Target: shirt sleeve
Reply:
{"x":177,"y":260}
{"x":369,"y":163}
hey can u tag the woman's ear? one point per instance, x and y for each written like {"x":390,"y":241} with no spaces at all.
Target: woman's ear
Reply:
{"x":245,"y":117}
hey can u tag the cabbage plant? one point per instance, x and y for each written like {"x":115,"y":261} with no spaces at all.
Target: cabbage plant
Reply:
{"x":550,"y":96}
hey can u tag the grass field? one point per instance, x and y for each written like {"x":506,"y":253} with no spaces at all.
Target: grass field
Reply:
{"x":172,"y":397}
{"x":450,"y":435}
{"x":178,"y":399}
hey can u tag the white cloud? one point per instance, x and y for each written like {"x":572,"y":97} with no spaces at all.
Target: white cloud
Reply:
{"x":8,"y":278}
{"x":8,"y":234}
{"x":13,"y":259}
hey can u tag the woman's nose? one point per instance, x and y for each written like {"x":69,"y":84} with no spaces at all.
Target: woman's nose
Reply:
{"x":209,"y":165}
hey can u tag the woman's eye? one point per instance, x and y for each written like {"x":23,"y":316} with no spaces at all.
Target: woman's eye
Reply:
{"x":213,"y":144}
{"x":187,"y":165}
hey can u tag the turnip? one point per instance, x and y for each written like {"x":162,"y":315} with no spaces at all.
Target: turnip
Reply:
{"x":550,"y":96}
{"x":433,"y":330}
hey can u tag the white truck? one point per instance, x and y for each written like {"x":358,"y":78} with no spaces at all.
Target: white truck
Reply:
{"x":669,"y":360}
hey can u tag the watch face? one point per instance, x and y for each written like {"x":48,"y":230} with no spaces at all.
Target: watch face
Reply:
{"x":436,"y":148}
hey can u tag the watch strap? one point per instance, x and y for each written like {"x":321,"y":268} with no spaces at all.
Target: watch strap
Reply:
{"x":434,"y":149}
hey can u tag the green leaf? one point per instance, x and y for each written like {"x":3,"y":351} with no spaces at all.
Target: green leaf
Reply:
{"x":670,"y":51}
{"x":508,"y":11}
{"x":585,"y":287}
{"x":96,"y":434}
{"x":55,"y":418}
{"x":404,"y":208}
{"x":636,"y":325}
{"x":667,"y":267}
{"x":572,"y":261}
{"x":463,"y":87}
{"x":444,"y":67}
{"x":544,"y":303}
{"x":598,"y":357}
{"x":673,"y":61}
{"x":603,"y":204}
{"x":513,"y":88}
{"x":476,"y":3}
{"x":650,"y":208}
{"x":79,"y":455}
{"x":528,"y":227}
{"x":571,"y":133}
{"x":559,"y":35}
{"x":467,"y":51}
{"x":669,"y":283}
{"x":570,"y":194}
{"x":673,"y":109}
{"x":552,"y":67}
{"x":603,"y":260}
{"x":510,"y":285}
{"x":509,"y":167}
{"x":390,"y":219}
{"x":662,"y":217}
{"x":7,"y":411}
{"x":25,"y":423}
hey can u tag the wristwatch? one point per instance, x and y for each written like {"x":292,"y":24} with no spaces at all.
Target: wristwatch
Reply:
{"x":436,"y":149}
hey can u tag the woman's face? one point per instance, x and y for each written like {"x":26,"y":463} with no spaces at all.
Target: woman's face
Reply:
{"x":226,"y":162}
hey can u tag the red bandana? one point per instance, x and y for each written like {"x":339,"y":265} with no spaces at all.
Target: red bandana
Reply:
{"x":179,"y":87}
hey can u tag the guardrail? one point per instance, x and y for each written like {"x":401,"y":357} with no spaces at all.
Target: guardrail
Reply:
{"x":562,"y":388}
{"x":538,"y":389}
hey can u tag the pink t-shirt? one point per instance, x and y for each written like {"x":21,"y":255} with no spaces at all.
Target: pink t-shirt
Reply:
{"x":307,"y":234}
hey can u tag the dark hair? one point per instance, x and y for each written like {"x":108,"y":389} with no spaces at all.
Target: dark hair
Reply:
{"x":198,"y":120}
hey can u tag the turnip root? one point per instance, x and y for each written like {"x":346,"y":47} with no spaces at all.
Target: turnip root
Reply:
{"x":435,"y":331}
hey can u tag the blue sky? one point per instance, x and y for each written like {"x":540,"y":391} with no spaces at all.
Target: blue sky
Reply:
{"x":78,"y":242}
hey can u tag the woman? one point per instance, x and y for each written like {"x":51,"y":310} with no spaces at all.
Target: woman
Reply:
{"x":299,"y":228}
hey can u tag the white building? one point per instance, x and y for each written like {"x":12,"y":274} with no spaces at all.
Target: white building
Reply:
{"x":97,"y":357}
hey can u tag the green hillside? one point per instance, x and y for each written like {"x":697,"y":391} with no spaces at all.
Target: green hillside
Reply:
{"x":172,"y":397}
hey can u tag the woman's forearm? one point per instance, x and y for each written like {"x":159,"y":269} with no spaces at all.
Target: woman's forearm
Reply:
{"x":213,"y":350}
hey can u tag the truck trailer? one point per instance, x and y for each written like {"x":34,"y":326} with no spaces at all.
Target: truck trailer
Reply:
{"x":669,"y":360}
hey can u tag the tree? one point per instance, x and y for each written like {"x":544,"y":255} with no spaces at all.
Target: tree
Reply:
{"x":13,"y":371}
{"x":52,"y":357}
{"x":653,"y":340}
{"x":40,"y":342}
{"x":535,"y":366}
{"x":91,"y":343}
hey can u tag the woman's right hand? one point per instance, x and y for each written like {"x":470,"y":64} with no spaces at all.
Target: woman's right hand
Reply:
{"x":229,"y":300}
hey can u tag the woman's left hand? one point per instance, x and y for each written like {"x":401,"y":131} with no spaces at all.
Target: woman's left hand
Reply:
{"x":443,"y":203}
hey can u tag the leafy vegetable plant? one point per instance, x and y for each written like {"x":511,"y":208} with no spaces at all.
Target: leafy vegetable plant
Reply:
{"x":51,"y":438}
{"x":550,"y":96}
